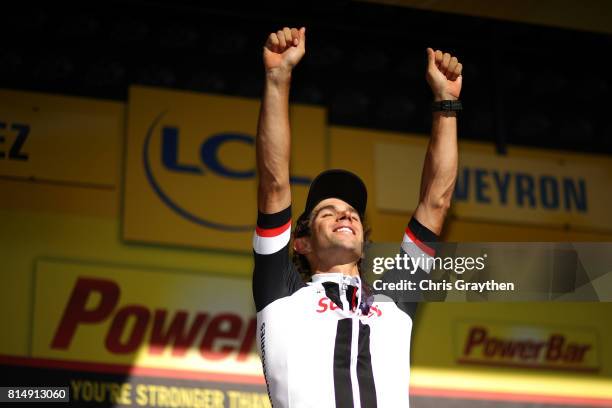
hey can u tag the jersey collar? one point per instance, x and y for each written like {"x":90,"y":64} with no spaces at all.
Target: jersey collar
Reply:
{"x":343,"y":290}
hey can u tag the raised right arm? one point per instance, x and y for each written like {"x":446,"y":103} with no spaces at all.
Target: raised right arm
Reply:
{"x":273,"y":275}
{"x":282,"y":52}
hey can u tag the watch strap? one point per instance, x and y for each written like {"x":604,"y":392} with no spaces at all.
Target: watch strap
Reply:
{"x":447,"y":106}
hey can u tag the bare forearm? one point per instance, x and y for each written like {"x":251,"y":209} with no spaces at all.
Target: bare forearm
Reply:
{"x":439,"y":170}
{"x":273,"y":144}
{"x":440,"y":166}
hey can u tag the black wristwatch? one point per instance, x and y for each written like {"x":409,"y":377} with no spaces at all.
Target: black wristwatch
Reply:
{"x":446,"y":106}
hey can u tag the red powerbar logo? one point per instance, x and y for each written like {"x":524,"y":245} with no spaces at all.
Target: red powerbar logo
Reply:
{"x":555,"y":351}
{"x":216,"y":336}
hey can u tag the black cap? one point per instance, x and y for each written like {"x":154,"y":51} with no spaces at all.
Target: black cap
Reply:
{"x":337,"y":183}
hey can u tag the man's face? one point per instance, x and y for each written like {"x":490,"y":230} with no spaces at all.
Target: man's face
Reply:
{"x":336,"y":230}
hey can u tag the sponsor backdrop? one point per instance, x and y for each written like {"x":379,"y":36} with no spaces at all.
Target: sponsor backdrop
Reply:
{"x":126,"y":268}
{"x":190,"y":166}
{"x":504,"y":189}
{"x":57,"y":139}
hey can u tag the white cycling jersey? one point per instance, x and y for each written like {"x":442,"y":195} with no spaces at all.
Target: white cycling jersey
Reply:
{"x":321,"y":343}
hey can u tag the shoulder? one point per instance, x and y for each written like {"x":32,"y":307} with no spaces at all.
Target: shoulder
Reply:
{"x":296,"y":301}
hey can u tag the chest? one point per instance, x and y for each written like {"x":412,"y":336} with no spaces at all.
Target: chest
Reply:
{"x":313,"y":322}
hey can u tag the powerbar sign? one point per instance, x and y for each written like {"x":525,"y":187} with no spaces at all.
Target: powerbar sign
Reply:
{"x":134,"y":326}
{"x":526,"y":347}
{"x":177,"y":321}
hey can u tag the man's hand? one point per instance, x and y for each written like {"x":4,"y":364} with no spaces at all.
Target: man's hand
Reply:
{"x":443,"y":75}
{"x":284,"y":49}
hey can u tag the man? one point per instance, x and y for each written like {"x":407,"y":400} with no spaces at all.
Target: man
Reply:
{"x":326,"y":343}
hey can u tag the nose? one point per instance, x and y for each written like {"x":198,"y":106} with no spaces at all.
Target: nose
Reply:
{"x":345,"y":215}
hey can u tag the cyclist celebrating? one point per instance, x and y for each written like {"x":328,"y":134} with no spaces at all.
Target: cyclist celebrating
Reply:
{"x":326,"y":343}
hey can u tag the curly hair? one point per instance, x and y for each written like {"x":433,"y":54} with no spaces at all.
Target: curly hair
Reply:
{"x":302,"y":229}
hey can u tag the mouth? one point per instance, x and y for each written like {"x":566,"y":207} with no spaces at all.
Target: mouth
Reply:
{"x":344,"y":229}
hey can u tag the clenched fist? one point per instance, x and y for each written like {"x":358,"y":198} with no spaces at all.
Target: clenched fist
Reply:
{"x":443,"y":75}
{"x":284,"y":49}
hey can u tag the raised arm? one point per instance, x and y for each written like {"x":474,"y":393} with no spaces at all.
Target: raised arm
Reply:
{"x":281,"y":53}
{"x":440,"y":166}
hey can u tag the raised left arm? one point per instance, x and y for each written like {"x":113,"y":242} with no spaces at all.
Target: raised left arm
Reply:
{"x":440,"y":166}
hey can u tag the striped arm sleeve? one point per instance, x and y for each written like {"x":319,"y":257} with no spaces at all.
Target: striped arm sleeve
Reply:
{"x":274,"y":276}
{"x":272,"y":233}
{"x":418,"y":242}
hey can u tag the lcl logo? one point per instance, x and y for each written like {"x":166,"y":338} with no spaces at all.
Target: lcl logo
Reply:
{"x":210,"y":162}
